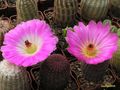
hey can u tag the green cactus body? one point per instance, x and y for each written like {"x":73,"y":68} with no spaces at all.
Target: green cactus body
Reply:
{"x":94,"y":9}
{"x":115,"y":62}
{"x":13,"y":77}
{"x":26,"y":10}
{"x":115,"y":2}
{"x":65,"y":12}
{"x":12,"y":1}
{"x":94,"y":73}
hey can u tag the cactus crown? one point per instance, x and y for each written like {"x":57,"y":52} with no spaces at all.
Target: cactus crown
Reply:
{"x":56,"y":63}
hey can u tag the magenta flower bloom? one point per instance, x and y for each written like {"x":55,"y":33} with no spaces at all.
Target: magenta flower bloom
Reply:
{"x":93,"y":43}
{"x":29,"y":43}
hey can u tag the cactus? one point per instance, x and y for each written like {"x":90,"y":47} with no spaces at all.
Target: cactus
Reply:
{"x":13,"y":77}
{"x":115,"y":8}
{"x":12,"y":1}
{"x":1,"y":0}
{"x":115,"y":61}
{"x":65,"y":12}
{"x":55,"y":73}
{"x":94,"y":9}
{"x":26,"y":10}
{"x":95,"y":73}
{"x":4,"y":27}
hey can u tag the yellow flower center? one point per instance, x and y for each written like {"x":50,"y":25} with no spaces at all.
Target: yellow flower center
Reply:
{"x":30,"y":48}
{"x":90,"y":51}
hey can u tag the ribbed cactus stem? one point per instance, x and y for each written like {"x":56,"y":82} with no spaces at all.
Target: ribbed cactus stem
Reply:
{"x":115,"y":8}
{"x":94,"y":9}
{"x":115,"y":62}
{"x":65,"y":12}
{"x":13,"y":77}
{"x":26,"y":10}
{"x":55,"y":73}
{"x":94,"y":73}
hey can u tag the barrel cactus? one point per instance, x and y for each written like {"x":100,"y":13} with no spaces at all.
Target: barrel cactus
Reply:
{"x":115,"y":9}
{"x":65,"y":12}
{"x":94,"y":9}
{"x":95,"y":73}
{"x":12,"y":1}
{"x":5,"y":26}
{"x":115,"y":62}
{"x":13,"y":77}
{"x":26,"y":10}
{"x":55,"y":73}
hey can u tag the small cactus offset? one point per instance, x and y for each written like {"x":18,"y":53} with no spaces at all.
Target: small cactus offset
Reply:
{"x":55,"y":73}
{"x":65,"y":12}
{"x":13,"y":77}
{"x":26,"y":10}
{"x":4,"y":28}
{"x":94,"y":9}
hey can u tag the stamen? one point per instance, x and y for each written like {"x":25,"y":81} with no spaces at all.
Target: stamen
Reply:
{"x":30,"y":47}
{"x":90,"y":51}
{"x":28,"y":44}
{"x":90,"y":47}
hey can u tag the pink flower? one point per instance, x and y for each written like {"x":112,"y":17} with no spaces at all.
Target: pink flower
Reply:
{"x":93,"y":43}
{"x":29,"y":43}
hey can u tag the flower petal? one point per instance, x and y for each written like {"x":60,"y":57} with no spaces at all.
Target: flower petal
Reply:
{"x":38,"y":33}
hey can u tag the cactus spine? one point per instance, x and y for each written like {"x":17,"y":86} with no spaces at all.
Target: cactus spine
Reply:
{"x":26,"y":10}
{"x":65,"y":12}
{"x":13,"y":77}
{"x":94,"y":9}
